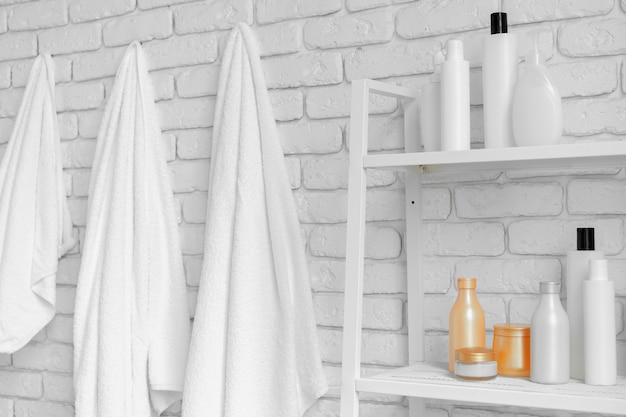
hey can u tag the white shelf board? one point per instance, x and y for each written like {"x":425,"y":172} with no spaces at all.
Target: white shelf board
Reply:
{"x":432,"y":380}
{"x":576,"y":155}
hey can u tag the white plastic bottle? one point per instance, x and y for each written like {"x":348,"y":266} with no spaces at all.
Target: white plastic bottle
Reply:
{"x":499,"y":79}
{"x":549,"y":338}
{"x":537,"y":112}
{"x":455,"y":104}
{"x":599,"y":319}
{"x":430,"y":111}
{"x":577,"y":271}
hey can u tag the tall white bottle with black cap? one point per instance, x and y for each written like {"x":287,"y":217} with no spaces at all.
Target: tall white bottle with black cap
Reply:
{"x":500,"y":60}
{"x":455,"y":104}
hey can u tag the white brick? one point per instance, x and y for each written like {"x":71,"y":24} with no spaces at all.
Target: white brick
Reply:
{"x":469,"y":412}
{"x":350,"y":30}
{"x":464,"y":239}
{"x":521,"y":309}
{"x":378,"y":313}
{"x":68,"y":125}
{"x":279,"y":39}
{"x":192,"y":239}
{"x":482,"y":201}
{"x":593,"y":37}
{"x":187,"y":114}
{"x":557,"y":237}
{"x":99,"y":64}
{"x":624,"y":74}
{"x":5,"y":75}
{"x":18,"y":46}
{"x":275,"y":10}
{"x":332,"y":174}
{"x":294,"y":172}
{"x":67,"y":183}
{"x":440,"y":178}
{"x":3,"y":20}
{"x":194,"y":144}
{"x":304,"y":70}
{"x":89,"y":123}
{"x":71,"y":39}
{"x":60,"y":329}
{"x":356,"y":5}
{"x":6,"y":407}
{"x":555,"y":172}
{"x":385,"y":133}
{"x":6,"y":128}
{"x":79,"y":96}
{"x":179,"y":51}
{"x":78,"y":211}
{"x":587,"y":78}
{"x":509,"y":275}
{"x":596,"y":197}
{"x":44,"y":357}
{"x":188,"y":176}
{"x":393,"y":60}
{"x":68,"y":269}
{"x":193,"y":269}
{"x":154,"y":24}
{"x":438,"y":309}
{"x":380,"y":242}
{"x":617,"y":270}
{"x":333,"y":376}
{"x":20,"y":384}
{"x":36,"y":408}
{"x":10,"y":101}
{"x":310,"y":137}
{"x":150,"y":4}
{"x":377,"y":348}
{"x":85,"y":10}
{"x":163,"y":85}
{"x":78,"y":153}
{"x":198,"y":81}
{"x":214,"y":15}
{"x":194,"y":207}
{"x":21,"y":69}
{"x":80,"y":183}
{"x":329,"y":102}
{"x":287,"y":104}
{"x":65,"y":300}
{"x":590,"y":116}
{"x":38,"y":15}
{"x":5,"y":359}
{"x":58,"y":387}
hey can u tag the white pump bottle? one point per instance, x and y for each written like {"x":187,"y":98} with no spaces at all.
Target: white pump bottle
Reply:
{"x":455,"y":104}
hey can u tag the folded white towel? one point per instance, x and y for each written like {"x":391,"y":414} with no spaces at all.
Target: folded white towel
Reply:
{"x":35,"y":225}
{"x":131,"y":326}
{"x":254,"y":348}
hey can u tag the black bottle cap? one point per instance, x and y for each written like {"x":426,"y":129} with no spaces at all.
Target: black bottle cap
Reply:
{"x":498,"y":23}
{"x":585,"y":238}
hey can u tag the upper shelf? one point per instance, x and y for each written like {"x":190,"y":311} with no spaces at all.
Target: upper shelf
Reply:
{"x":577,"y":155}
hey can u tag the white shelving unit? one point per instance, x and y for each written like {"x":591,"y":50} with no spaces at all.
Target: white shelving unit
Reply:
{"x":421,"y":379}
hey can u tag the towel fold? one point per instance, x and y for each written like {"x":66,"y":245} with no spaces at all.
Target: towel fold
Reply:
{"x":35,"y":224}
{"x":131,"y":326}
{"x":254,"y":348}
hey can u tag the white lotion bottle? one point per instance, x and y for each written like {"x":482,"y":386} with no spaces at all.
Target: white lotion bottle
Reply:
{"x":549,"y":338}
{"x":499,"y":79}
{"x":577,"y":271}
{"x":537,"y":111}
{"x":430,"y":112}
{"x":455,"y":104}
{"x":599,"y":321}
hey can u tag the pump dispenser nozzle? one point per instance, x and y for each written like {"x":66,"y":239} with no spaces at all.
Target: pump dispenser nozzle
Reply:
{"x":454,"y":50}
{"x":498,"y":20}
{"x":535,"y":57}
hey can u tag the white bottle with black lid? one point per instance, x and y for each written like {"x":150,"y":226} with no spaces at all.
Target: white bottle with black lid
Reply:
{"x":599,"y":323}
{"x":455,"y":104}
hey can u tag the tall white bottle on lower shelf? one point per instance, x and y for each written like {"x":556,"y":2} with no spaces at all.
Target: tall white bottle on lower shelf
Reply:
{"x":455,"y":103}
{"x":599,"y":320}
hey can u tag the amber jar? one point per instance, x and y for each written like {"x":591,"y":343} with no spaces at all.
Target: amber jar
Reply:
{"x":511,"y":342}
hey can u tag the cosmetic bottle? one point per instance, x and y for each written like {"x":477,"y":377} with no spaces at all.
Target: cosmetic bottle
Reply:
{"x":430,"y":114}
{"x":455,"y":104}
{"x":599,"y":323}
{"x":499,"y":79}
{"x":537,"y":112}
{"x":577,"y":271}
{"x":511,"y":342}
{"x":467,"y":320}
{"x":549,"y":338}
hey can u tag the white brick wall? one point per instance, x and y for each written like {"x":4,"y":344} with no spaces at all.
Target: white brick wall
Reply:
{"x":511,"y":230}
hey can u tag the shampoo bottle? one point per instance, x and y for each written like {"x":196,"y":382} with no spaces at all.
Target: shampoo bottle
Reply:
{"x":455,"y":104}
{"x":577,"y":271}
{"x":499,"y":79}
{"x":537,"y":113}
{"x":430,"y":114}
{"x":549,"y":338}
{"x":467,"y":320}
{"x":599,"y":320}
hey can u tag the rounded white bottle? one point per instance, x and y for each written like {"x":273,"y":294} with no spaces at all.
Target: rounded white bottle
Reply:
{"x":430,"y":111}
{"x":549,"y":338}
{"x":599,"y":320}
{"x":499,"y":79}
{"x":455,"y":104}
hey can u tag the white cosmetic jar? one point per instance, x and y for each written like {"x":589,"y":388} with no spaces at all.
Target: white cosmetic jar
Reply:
{"x":475,"y":364}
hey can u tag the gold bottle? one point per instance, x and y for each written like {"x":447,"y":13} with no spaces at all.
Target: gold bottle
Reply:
{"x":467,"y":320}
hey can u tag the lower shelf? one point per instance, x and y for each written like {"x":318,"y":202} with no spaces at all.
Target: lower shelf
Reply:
{"x":432,"y":380}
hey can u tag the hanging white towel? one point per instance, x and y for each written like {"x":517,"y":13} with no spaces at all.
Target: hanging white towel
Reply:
{"x":131,"y":326}
{"x":254,"y":348}
{"x":35,"y":225}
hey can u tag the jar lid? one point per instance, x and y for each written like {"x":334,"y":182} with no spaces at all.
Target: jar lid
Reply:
{"x":511,"y":329}
{"x":466,"y":283}
{"x":475,"y":355}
